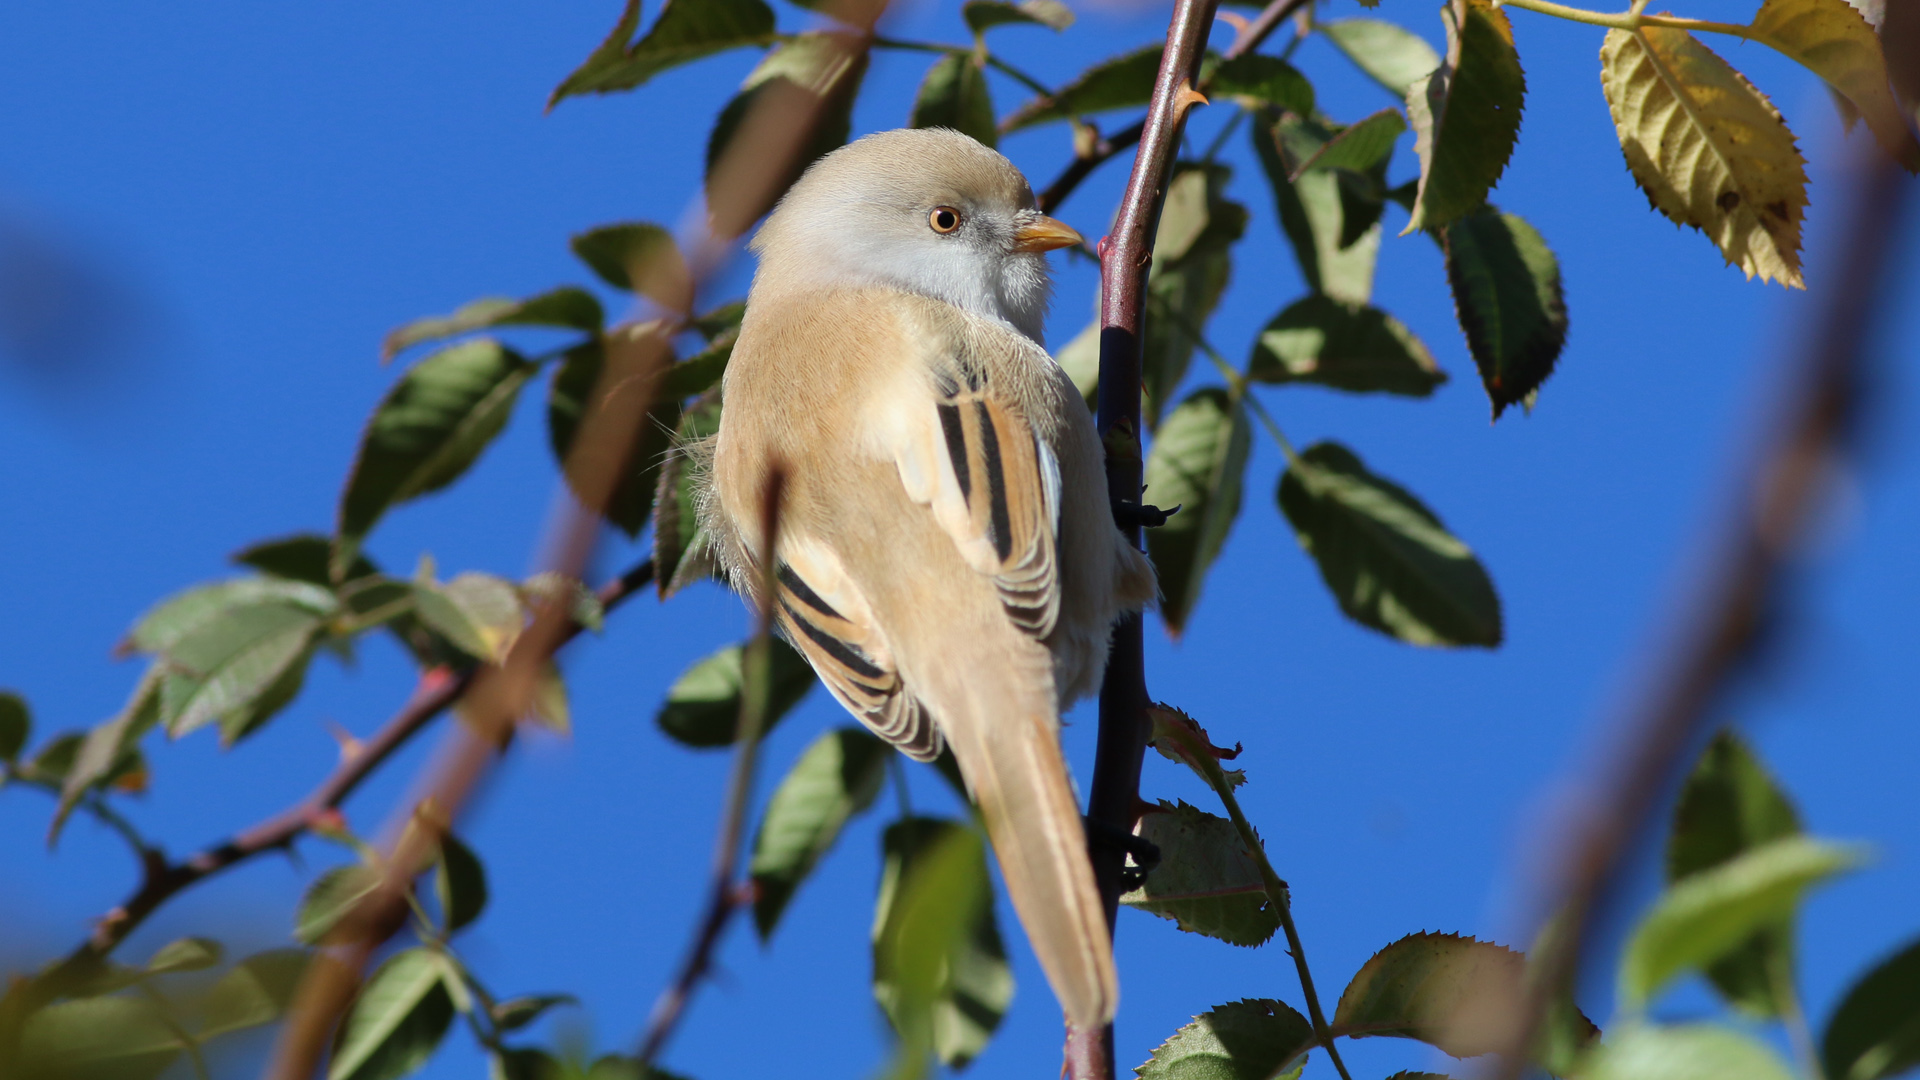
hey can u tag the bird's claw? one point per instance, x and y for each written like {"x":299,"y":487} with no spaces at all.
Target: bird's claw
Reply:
{"x":1145,"y":853}
{"x":1128,"y":514}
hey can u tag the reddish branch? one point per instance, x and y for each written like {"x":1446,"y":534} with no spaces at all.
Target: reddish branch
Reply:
{"x":1125,"y":256}
{"x":1101,"y":148}
{"x":1738,"y":607}
{"x":437,"y":690}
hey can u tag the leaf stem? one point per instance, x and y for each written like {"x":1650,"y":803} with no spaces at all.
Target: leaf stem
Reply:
{"x":1792,"y":1016}
{"x":1629,"y":20}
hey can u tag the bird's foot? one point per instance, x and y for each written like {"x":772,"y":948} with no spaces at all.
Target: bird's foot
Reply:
{"x":1147,"y":517}
{"x":1145,"y":853}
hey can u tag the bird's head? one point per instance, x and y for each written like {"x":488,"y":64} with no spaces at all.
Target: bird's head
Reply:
{"x":927,"y":211}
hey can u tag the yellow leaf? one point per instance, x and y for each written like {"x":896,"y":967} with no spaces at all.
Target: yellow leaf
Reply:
{"x":1709,"y":150}
{"x":1832,"y":39}
{"x":550,"y":708}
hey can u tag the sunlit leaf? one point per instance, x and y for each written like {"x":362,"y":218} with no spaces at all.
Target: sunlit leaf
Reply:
{"x":1192,"y":262}
{"x":1703,"y":916}
{"x":331,"y":898}
{"x":821,"y":71}
{"x":1684,"y":1052}
{"x":258,"y":990}
{"x":1833,"y":40}
{"x":1115,"y":83}
{"x":1507,"y":296}
{"x":1390,"y":562}
{"x":479,"y":614}
{"x":582,"y":605}
{"x":238,"y":666}
{"x":1707,"y":147}
{"x":565,"y":308}
{"x":185,"y":954}
{"x":459,"y":883}
{"x":940,"y":971}
{"x":1197,"y":462}
{"x":1729,"y":806}
{"x":1333,"y":228}
{"x":574,"y":382}
{"x":1256,"y":80}
{"x":640,"y":257}
{"x":954,"y":95}
{"x":194,"y":610}
{"x":1253,"y":1039}
{"x":1346,"y":346}
{"x":1206,"y":881}
{"x":426,"y":432}
{"x":836,"y":778}
{"x":397,"y":1021}
{"x":1080,"y":359}
{"x":108,"y":749}
{"x":1875,"y":1032}
{"x":984,"y":15}
{"x":1466,"y":116}
{"x":686,"y":30}
{"x":1445,"y":990}
{"x":1394,"y":56}
{"x":703,"y":706}
{"x":1363,"y":147}
{"x":518,"y":1012}
{"x":98,"y":1038}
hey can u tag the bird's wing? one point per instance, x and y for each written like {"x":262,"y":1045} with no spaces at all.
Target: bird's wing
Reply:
{"x":825,"y":616}
{"x":993,"y":486}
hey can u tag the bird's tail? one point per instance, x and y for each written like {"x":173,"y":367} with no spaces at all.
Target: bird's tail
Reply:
{"x":1007,"y":742}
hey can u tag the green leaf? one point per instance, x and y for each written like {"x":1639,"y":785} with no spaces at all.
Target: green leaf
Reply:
{"x":516,"y":1013}
{"x":16,"y":725}
{"x":479,"y":614}
{"x":640,"y":257}
{"x":258,"y":990}
{"x":700,"y":372}
{"x":1703,"y":916}
{"x":1333,"y":225}
{"x":192,"y":611}
{"x":1080,"y":359}
{"x":98,"y":1038}
{"x":1395,"y":57}
{"x":460,"y":883}
{"x":1361,"y":148}
{"x":954,"y":95}
{"x":1466,"y":116}
{"x":1684,"y":1052}
{"x":940,"y":971}
{"x":567,"y":308}
{"x":1252,"y":1039}
{"x":1115,"y":83}
{"x":984,"y":15}
{"x":582,"y":604}
{"x":1346,"y":346}
{"x":1875,"y":1032}
{"x":703,"y":706}
{"x":1192,"y":261}
{"x":1445,"y":990}
{"x":573,"y":385}
{"x":110,"y":750}
{"x":824,"y":67}
{"x":681,"y":551}
{"x":330,"y":898}
{"x":836,"y":778}
{"x":1730,"y":805}
{"x":1207,"y":881}
{"x":713,"y":324}
{"x":1390,"y":562}
{"x":397,"y":1021}
{"x":1256,"y":79}
{"x":186,"y":954}
{"x":1198,"y":462}
{"x":301,"y":557}
{"x":1506,"y":294}
{"x":426,"y":432}
{"x":687,"y":30}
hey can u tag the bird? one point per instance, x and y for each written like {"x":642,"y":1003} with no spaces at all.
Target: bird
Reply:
{"x":946,"y":555}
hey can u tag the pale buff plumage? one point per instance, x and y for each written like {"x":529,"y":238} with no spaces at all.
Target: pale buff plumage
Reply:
{"x":947,"y":558}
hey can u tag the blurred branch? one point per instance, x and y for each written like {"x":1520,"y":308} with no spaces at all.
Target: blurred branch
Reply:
{"x":1735,"y":611}
{"x":437,"y":689}
{"x":1099,"y":149}
{"x":1125,"y":256}
{"x":755,"y":693}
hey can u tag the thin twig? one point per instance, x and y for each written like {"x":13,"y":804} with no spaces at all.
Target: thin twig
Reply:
{"x":1100,"y":149}
{"x":1741,"y":603}
{"x":725,"y":896}
{"x":1125,"y":256}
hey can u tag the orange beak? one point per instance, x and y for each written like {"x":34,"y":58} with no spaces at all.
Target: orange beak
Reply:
{"x":1045,"y":234}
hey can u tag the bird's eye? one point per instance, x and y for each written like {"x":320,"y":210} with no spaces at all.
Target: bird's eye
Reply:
{"x":944,"y":219}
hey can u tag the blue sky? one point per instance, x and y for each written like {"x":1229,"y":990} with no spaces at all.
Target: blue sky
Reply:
{"x":252,"y":195}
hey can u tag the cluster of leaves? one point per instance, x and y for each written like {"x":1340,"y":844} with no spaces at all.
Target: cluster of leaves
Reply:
{"x":1705,"y":144}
